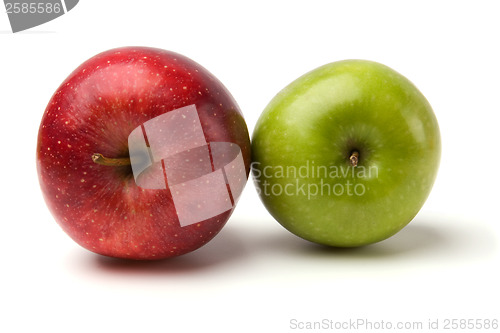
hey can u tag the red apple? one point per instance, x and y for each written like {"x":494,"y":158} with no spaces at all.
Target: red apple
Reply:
{"x":142,"y":154}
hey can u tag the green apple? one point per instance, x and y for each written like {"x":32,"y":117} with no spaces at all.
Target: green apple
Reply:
{"x":347,"y":154}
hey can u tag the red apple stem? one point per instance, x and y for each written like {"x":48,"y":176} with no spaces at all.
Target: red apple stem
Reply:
{"x":100,"y":159}
{"x":354,"y":159}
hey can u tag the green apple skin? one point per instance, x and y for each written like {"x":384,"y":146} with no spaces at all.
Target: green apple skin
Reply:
{"x":316,"y":123}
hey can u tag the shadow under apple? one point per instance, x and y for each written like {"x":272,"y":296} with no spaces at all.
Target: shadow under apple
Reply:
{"x":413,"y":238}
{"x":430,"y":239}
{"x":424,"y":236}
{"x":225,"y":248}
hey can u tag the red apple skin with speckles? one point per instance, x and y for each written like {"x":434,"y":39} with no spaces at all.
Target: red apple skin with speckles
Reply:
{"x":94,"y":111}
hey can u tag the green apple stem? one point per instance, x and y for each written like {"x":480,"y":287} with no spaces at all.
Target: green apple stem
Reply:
{"x":100,"y":159}
{"x":354,"y":159}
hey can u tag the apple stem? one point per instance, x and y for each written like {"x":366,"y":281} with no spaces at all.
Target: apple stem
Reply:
{"x":100,"y":159}
{"x":354,"y":159}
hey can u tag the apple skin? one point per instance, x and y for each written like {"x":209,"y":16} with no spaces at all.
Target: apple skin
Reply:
{"x":317,"y":122}
{"x":94,"y":111}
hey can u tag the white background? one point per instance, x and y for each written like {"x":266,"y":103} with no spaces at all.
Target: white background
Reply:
{"x":255,"y":276}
